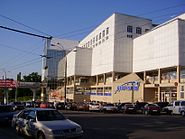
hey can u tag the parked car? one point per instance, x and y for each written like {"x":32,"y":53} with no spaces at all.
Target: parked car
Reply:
{"x":151,"y":109}
{"x":17,"y":105}
{"x":71,"y":106}
{"x":45,"y":123}
{"x":36,"y":104}
{"x":6,"y":114}
{"x":95,"y":107}
{"x":60,"y":106}
{"x":162,"y":104}
{"x":82,"y":106}
{"x":120,"y":106}
{"x":139,"y":106}
{"x":109,"y":108}
{"x":129,"y":108}
{"x":168,"y":109}
{"x":178,"y":107}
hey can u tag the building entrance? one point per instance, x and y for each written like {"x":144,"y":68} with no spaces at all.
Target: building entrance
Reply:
{"x":168,"y":94}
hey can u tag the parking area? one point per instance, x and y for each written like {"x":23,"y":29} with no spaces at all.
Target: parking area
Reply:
{"x":120,"y":126}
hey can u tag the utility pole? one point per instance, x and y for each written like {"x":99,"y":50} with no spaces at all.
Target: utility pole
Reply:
{"x":65,"y":79}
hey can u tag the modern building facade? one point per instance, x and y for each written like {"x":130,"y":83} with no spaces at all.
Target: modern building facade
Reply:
{"x":108,"y":50}
{"x":128,"y":59}
{"x":159,"y":58}
{"x":55,"y":50}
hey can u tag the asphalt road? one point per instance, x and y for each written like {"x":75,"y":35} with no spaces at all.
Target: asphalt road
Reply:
{"x":120,"y":126}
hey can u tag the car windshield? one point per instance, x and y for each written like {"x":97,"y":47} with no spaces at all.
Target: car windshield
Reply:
{"x":49,"y":115}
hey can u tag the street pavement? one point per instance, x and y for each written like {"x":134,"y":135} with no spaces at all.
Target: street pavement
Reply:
{"x":120,"y":126}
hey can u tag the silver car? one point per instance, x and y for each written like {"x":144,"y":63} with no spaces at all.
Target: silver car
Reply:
{"x":45,"y":123}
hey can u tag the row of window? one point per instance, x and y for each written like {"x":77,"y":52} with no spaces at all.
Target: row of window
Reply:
{"x":97,"y":39}
{"x":130,"y":29}
{"x":137,"y":31}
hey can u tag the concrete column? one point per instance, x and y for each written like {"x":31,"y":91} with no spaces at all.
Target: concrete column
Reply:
{"x":159,"y":76}
{"x":144,"y":78}
{"x":113,"y":77}
{"x":96,"y":79}
{"x":178,"y":74}
{"x":34,"y":94}
{"x":159,"y":94}
{"x":104,"y":78}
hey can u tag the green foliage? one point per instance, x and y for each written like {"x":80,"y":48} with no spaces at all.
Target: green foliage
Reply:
{"x":33,"y":77}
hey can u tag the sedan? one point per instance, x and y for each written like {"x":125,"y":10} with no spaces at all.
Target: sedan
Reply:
{"x":45,"y":123}
{"x":109,"y":108}
{"x":151,"y":109}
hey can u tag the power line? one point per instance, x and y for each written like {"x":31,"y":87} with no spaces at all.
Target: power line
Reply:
{"x":24,"y":32}
{"x":24,"y":25}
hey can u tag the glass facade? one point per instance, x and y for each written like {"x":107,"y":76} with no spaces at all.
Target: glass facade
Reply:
{"x":53,"y":58}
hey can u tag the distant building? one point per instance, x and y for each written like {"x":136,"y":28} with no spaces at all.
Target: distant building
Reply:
{"x":55,"y":50}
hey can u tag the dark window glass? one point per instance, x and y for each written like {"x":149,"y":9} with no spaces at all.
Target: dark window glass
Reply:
{"x":138,"y":30}
{"x":107,"y":30}
{"x":177,"y":103}
{"x":129,"y":29}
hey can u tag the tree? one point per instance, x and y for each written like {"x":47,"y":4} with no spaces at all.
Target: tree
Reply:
{"x":33,"y":77}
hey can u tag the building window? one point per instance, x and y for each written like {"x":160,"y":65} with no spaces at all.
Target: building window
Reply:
{"x":107,"y":30}
{"x":138,"y":30}
{"x":146,"y":30}
{"x":129,"y":29}
{"x":182,"y":88}
{"x":181,"y":94}
{"x":99,"y":36}
{"x":129,"y":36}
{"x":96,"y":37}
{"x":93,"y":40}
{"x":103,"y":35}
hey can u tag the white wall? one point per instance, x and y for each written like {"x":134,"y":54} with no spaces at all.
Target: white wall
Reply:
{"x":83,"y":61}
{"x":102,"y":55}
{"x":79,"y":62}
{"x":182,"y":42}
{"x":157,"y":49}
{"x":123,"y":46}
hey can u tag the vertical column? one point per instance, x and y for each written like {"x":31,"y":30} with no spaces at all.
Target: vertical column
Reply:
{"x":34,"y":94}
{"x":178,"y":74}
{"x":159,"y":94}
{"x":159,"y":76}
{"x":178,"y":81}
{"x":113,"y":76}
{"x":104,"y":78}
{"x":96,"y":79}
{"x":144,"y":78}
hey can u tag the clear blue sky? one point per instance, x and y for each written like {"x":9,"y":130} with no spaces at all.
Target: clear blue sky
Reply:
{"x":69,"y":19}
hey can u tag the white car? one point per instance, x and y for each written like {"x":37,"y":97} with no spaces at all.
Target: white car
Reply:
{"x":109,"y":108}
{"x":45,"y":123}
{"x":95,"y":107}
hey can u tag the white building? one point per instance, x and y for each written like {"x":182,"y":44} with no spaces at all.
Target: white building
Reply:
{"x":160,"y":56}
{"x":126,"y":52}
{"x":106,"y":56}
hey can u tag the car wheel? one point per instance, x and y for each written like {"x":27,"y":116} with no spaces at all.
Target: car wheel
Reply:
{"x":40,"y":136}
{"x":183,"y":113}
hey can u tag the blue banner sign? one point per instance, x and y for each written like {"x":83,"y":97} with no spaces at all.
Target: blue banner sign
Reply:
{"x":133,"y":85}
